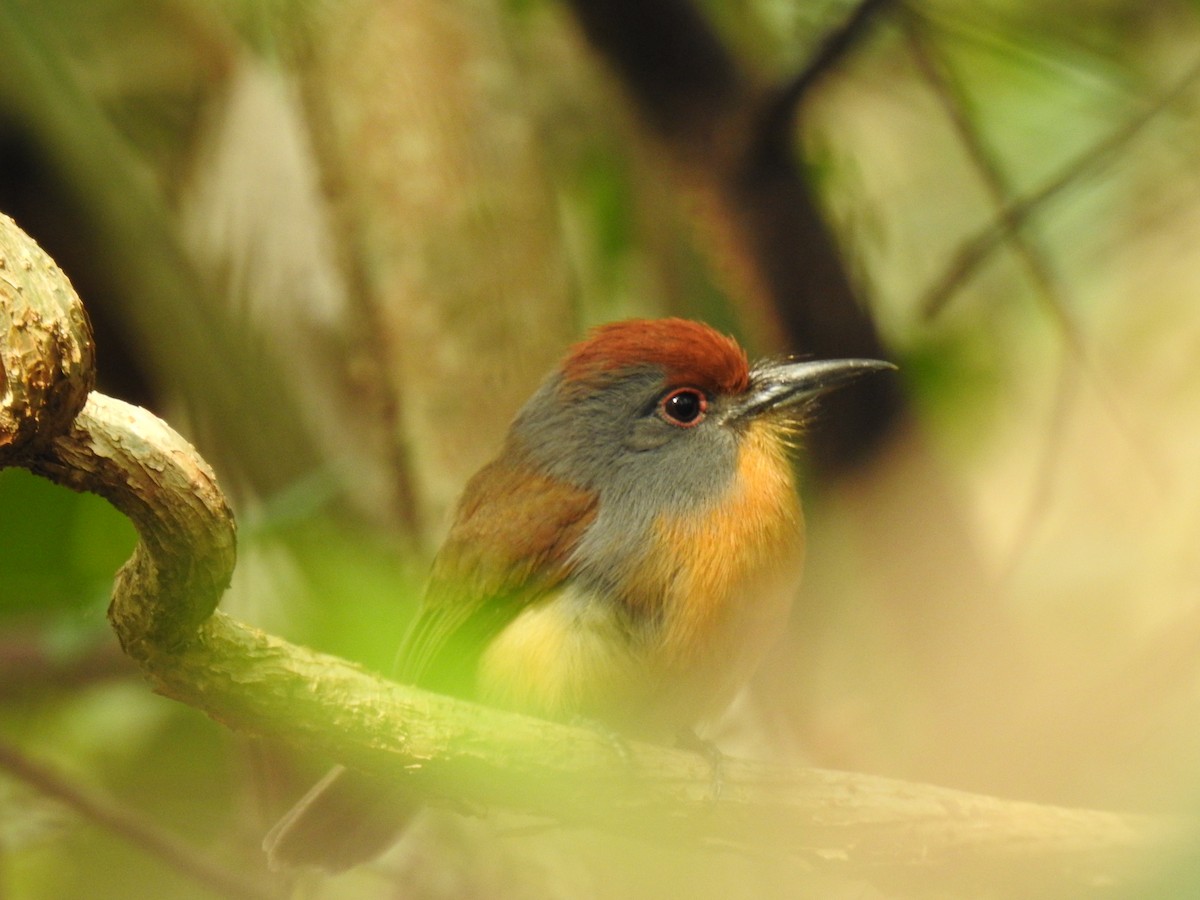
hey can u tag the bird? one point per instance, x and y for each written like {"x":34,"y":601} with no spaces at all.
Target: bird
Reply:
{"x":626,"y":559}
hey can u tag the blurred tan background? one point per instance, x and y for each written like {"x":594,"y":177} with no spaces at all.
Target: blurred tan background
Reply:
{"x":337,"y":245}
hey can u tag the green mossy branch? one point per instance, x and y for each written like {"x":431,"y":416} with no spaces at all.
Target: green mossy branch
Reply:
{"x":164,"y":613}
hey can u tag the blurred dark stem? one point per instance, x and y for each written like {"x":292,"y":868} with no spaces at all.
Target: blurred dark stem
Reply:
{"x":732,"y":143}
{"x":833,"y":49}
{"x":129,"y":827}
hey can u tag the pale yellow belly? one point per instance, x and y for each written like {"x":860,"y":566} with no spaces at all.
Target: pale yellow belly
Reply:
{"x":570,"y":656}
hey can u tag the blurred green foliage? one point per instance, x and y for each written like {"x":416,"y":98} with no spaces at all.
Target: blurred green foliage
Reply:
{"x":59,"y":551}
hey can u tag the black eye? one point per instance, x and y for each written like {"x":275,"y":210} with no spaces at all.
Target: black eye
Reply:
{"x":683,"y":406}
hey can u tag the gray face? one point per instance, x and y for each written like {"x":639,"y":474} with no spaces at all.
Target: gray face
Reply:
{"x":616,"y":441}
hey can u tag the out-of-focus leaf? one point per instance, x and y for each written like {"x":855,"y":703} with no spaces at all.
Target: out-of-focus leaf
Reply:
{"x":58,"y":550}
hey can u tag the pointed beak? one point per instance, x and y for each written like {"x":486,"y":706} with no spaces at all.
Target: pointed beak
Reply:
{"x":776,"y":385}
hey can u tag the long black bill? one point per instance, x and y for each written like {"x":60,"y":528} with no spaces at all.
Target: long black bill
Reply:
{"x":777,"y":384}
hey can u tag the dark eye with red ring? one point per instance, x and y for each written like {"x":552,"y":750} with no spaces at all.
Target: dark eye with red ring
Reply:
{"x":684,"y":407}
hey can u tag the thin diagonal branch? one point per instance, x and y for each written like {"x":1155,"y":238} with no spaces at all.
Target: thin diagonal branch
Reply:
{"x":1035,"y":261}
{"x":1017,"y":211}
{"x":1032,"y":257}
{"x":949,"y":97}
{"x":129,"y":827}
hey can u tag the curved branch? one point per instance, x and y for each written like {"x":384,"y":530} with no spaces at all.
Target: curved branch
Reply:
{"x":185,"y":556}
{"x":163,"y":610}
{"x":47,"y":363}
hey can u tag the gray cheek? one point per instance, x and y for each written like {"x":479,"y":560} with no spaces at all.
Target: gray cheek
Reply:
{"x":671,"y":470}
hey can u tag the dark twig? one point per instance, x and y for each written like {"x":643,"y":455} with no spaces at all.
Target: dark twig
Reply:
{"x":949,"y":97}
{"x":832,"y":51}
{"x":128,"y":827}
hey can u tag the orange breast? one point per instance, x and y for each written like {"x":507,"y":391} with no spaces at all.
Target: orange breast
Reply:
{"x":727,"y":577}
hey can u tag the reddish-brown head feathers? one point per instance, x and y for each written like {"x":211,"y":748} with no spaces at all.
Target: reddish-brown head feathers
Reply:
{"x":688,"y":353}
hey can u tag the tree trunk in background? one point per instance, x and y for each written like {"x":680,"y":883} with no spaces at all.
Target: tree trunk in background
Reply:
{"x":446,"y":223}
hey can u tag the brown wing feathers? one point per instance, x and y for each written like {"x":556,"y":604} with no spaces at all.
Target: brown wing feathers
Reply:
{"x":512,"y":540}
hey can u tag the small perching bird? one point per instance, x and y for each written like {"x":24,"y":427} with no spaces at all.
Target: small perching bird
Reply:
{"x":626,"y":558}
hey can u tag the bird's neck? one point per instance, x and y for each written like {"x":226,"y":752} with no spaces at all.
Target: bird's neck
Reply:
{"x":682,"y":569}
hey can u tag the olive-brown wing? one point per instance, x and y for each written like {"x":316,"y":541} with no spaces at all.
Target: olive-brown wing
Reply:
{"x":513,"y":540}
